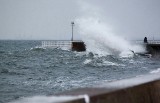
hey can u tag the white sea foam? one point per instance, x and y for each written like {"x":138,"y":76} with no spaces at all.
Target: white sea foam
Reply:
{"x":37,"y":47}
{"x":110,"y":63}
{"x":51,"y":99}
{"x":155,"y":71}
{"x":87,"y":61}
{"x":99,"y":37}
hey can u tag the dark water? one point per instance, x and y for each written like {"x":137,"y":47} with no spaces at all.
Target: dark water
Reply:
{"x":26,"y":70}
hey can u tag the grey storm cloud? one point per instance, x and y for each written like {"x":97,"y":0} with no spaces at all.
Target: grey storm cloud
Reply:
{"x":50,"y":19}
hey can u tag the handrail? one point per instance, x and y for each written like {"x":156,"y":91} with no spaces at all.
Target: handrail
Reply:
{"x":149,"y":41}
{"x":56,"y":43}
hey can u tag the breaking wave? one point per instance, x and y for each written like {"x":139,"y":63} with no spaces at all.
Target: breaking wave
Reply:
{"x":99,"y":37}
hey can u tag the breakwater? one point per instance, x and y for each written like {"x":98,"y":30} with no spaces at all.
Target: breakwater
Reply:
{"x":151,"y":46}
{"x":153,"y":49}
{"x":144,"y":89}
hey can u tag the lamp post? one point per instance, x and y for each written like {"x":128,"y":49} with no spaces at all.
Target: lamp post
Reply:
{"x":72,"y":23}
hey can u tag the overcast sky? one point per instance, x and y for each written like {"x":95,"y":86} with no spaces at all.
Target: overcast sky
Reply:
{"x":50,"y":19}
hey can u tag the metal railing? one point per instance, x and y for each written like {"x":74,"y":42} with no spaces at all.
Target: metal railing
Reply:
{"x":57,"y":43}
{"x":149,"y":41}
{"x":154,"y":41}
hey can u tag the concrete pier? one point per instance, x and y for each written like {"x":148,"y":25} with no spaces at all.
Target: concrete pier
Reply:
{"x":153,"y":49}
{"x":144,"y":89}
{"x":78,"y":46}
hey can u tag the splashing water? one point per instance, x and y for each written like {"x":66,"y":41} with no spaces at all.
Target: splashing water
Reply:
{"x":100,"y":39}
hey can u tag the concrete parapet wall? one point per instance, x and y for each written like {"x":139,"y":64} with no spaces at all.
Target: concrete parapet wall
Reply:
{"x":144,"y":89}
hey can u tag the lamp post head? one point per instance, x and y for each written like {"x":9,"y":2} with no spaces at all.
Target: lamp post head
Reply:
{"x":72,"y":23}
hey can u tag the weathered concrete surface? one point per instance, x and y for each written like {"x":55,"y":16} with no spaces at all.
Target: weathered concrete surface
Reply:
{"x":153,"y":49}
{"x":144,"y":89}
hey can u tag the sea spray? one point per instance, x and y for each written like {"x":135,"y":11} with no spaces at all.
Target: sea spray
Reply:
{"x":99,"y":37}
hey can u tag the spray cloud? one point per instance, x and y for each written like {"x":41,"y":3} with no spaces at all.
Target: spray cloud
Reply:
{"x":98,"y":36}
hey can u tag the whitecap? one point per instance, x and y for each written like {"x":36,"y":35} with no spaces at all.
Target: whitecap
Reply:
{"x":37,"y":48}
{"x":110,"y":63}
{"x":155,"y":71}
{"x":87,"y":61}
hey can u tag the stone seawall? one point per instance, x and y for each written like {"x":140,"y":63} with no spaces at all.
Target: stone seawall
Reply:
{"x":143,"y":89}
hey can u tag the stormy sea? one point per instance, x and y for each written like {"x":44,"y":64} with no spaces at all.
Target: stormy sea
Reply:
{"x":27,"y":69}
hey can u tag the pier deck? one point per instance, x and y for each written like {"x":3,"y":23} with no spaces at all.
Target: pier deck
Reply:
{"x":76,"y":45}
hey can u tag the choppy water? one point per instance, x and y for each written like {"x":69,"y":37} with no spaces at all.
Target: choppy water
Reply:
{"x":26,"y":70}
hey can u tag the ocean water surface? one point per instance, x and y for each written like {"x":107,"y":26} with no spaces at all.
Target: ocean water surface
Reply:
{"x":26,"y":69}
